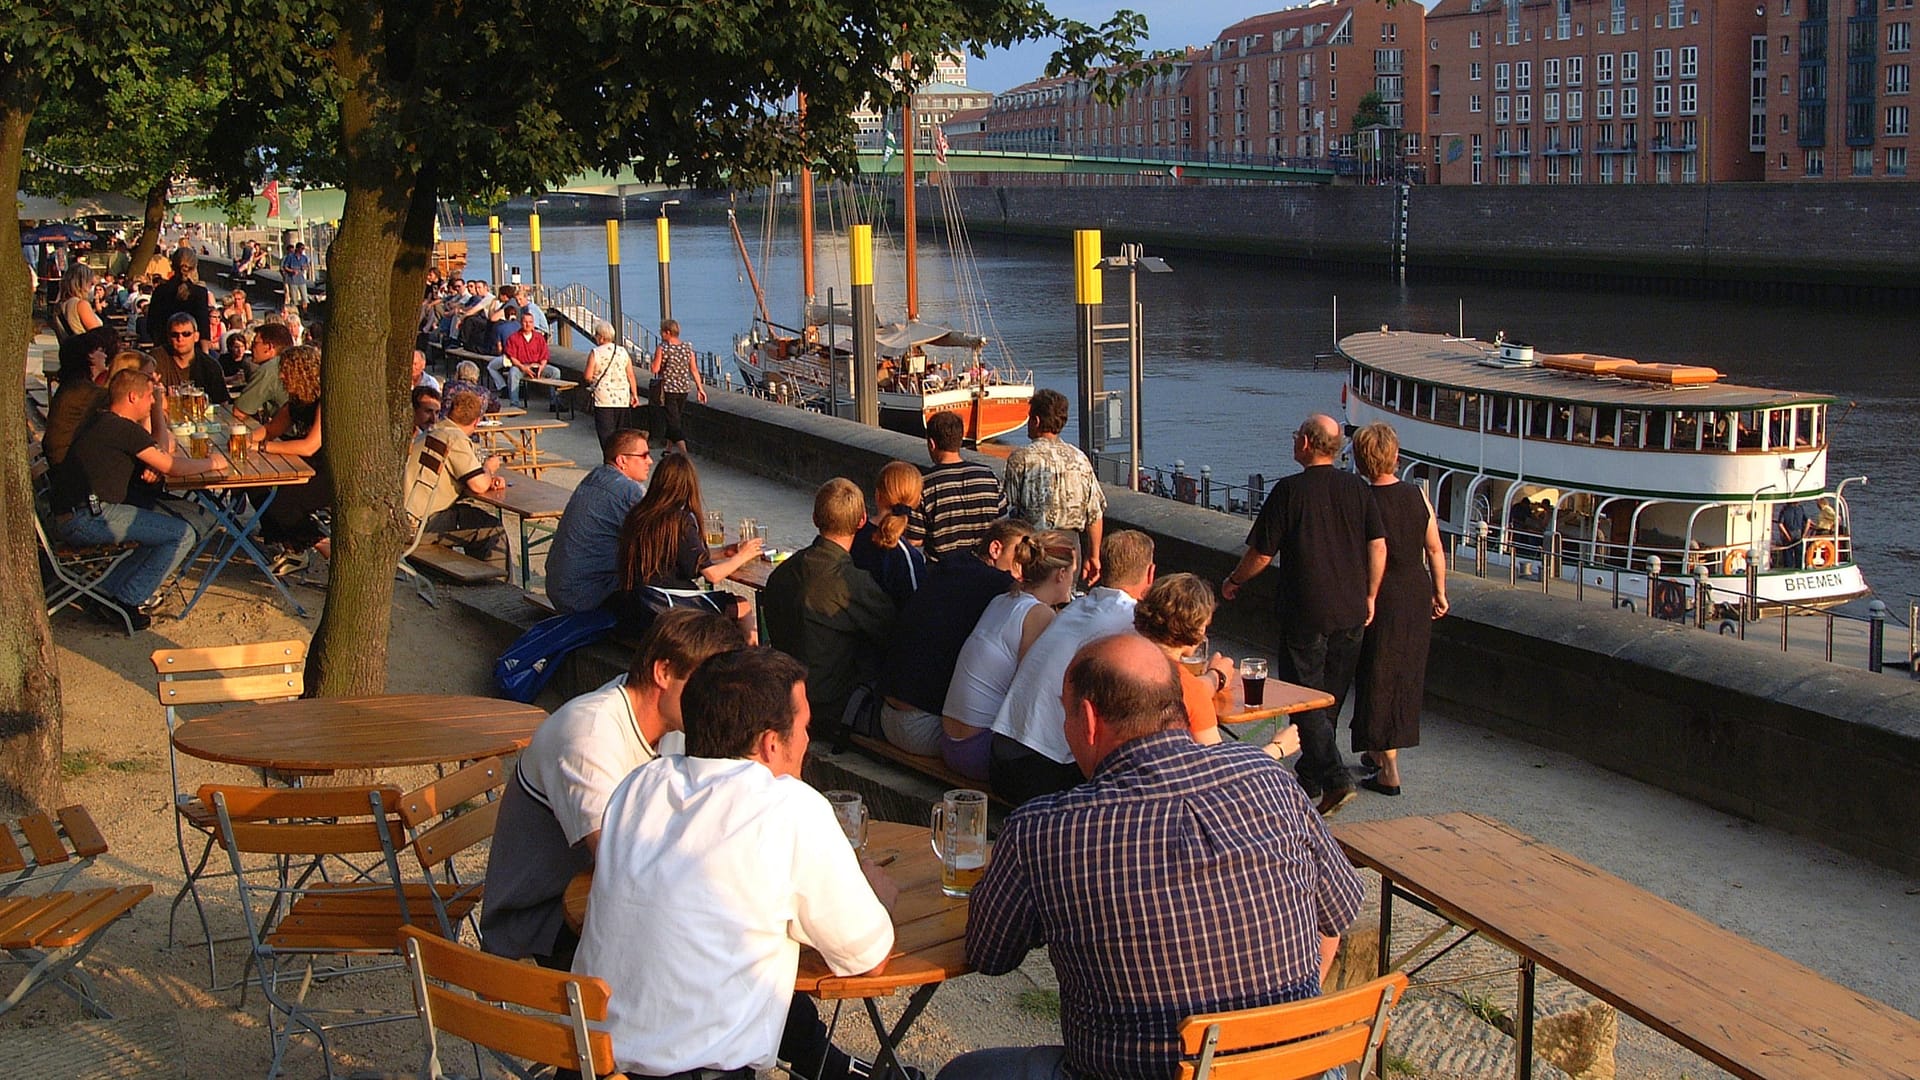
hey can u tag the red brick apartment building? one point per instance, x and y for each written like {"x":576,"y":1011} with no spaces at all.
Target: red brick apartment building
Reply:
{"x":1839,"y":88}
{"x":1283,"y":84}
{"x":1598,"y":91}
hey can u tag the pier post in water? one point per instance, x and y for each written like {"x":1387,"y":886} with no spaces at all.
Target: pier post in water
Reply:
{"x":1087,"y":296}
{"x":613,"y":280}
{"x":493,"y":251}
{"x":533,"y":241}
{"x":665,"y":254}
{"x":866,"y":360}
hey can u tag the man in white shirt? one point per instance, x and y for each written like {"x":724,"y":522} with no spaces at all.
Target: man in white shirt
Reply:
{"x":1030,"y":752}
{"x":713,"y":869}
{"x":549,"y":825}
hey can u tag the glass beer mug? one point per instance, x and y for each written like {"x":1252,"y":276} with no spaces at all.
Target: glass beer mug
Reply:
{"x":960,"y":839}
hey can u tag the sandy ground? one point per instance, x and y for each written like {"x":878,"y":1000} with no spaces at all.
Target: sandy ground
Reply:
{"x":1851,"y":921}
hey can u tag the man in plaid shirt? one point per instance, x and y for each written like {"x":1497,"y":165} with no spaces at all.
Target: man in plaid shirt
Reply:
{"x":1180,"y":879}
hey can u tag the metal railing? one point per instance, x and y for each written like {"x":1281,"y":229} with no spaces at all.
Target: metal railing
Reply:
{"x":576,"y":297}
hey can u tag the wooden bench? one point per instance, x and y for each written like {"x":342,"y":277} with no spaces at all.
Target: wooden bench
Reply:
{"x":920,"y":763}
{"x":456,"y":566}
{"x":561,"y":394}
{"x":535,"y":468}
{"x":35,"y":846}
{"x":455,"y":353}
{"x":1746,"y":1009}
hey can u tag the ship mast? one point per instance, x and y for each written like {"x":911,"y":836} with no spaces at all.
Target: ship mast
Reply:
{"x":806,"y":231}
{"x":906,"y":201}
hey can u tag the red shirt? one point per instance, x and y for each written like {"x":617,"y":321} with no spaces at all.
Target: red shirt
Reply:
{"x":527,"y":350}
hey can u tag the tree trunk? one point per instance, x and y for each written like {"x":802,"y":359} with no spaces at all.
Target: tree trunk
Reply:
{"x":29,"y":686}
{"x":364,"y":370}
{"x":149,"y":239}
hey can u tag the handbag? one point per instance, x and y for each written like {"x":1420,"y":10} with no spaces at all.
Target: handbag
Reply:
{"x":531,"y":662}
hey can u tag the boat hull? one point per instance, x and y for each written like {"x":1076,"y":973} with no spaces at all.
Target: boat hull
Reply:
{"x":988,"y":410}
{"x":1823,"y":588}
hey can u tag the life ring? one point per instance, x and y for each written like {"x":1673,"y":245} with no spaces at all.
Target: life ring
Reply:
{"x":1735,"y":564}
{"x":1822,"y":554}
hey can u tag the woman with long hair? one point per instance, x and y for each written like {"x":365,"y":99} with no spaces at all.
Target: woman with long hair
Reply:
{"x":1391,"y":684}
{"x":881,"y":546}
{"x":664,"y":555}
{"x":294,"y":430}
{"x":1044,"y":566}
{"x":76,"y":312}
{"x":181,"y":291}
{"x":83,"y":358}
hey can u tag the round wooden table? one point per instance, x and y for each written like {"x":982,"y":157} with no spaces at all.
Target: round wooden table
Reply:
{"x":379,"y":732}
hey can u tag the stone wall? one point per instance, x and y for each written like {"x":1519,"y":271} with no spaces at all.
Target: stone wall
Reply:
{"x":1861,"y":236}
{"x":1795,"y":743}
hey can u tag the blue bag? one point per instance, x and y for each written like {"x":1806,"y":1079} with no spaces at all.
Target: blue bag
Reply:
{"x":531,"y":662}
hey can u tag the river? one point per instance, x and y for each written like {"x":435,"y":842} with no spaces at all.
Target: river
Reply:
{"x":1231,"y":344}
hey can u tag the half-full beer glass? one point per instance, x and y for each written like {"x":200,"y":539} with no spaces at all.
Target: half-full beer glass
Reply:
{"x":960,"y":839}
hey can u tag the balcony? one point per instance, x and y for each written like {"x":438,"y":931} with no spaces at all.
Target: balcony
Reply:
{"x":1616,"y":148}
{"x":1512,"y":153}
{"x":1672,"y":146}
{"x":1561,"y":151}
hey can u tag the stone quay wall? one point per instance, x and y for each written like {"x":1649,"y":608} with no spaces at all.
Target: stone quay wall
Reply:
{"x":1801,"y":745}
{"x":1854,"y":236}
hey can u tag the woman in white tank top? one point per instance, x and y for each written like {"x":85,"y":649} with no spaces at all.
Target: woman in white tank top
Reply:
{"x":1046,"y":564}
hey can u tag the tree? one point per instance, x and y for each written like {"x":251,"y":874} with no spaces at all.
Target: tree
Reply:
{"x":1371,"y":112}
{"x":44,"y":44}
{"x":443,"y":99}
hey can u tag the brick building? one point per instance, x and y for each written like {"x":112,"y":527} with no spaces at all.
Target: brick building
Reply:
{"x":1597,"y":91}
{"x":1839,"y":89}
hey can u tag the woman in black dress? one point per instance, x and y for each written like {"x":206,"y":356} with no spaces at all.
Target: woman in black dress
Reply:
{"x":295,"y":430}
{"x":1393,"y":655}
{"x":664,"y":555}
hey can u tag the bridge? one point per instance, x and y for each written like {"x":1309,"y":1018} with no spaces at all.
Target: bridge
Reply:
{"x":1106,"y":161}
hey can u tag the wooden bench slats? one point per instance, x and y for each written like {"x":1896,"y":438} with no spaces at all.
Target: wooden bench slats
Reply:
{"x":81,"y":832}
{"x":107,"y":905}
{"x":43,"y":838}
{"x":228,"y":657}
{"x":11,"y":861}
{"x":214,"y":691}
{"x":518,"y":1034}
{"x":44,"y":914}
{"x":927,"y":766}
{"x":456,"y":565}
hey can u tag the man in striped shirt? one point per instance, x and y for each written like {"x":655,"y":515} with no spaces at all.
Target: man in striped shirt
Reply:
{"x":1180,"y":879}
{"x":959,"y":499}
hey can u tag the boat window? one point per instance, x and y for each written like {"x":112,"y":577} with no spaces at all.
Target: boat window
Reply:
{"x":1779,"y":429}
{"x":1814,"y":428}
{"x":1605,"y":424}
{"x":1751,"y":429}
{"x":1538,"y":413}
{"x":1422,"y":400}
{"x":1583,"y":417}
{"x":1499,"y":414}
{"x":1446,"y":406}
{"x":1470,"y":414}
{"x":1632,"y":423}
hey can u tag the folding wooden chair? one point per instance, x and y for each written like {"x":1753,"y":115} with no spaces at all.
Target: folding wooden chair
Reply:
{"x":222,"y":675}
{"x":1294,"y":1041}
{"x":75,"y":570}
{"x":549,"y":1028}
{"x":35,"y":847}
{"x":50,"y":933}
{"x":440,"y":825}
{"x":295,"y":916}
{"x":433,"y":455}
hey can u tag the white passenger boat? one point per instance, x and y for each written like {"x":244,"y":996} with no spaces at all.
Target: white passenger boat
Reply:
{"x":1622,"y":467}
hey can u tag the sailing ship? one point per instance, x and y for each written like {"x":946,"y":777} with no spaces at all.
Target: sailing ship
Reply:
{"x":925,"y":367}
{"x":1599,"y":464}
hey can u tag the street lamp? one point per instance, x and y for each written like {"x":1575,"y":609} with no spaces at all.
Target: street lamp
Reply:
{"x":1132,"y":259}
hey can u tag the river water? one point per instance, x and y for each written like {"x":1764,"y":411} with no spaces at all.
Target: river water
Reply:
{"x":1231,"y":344}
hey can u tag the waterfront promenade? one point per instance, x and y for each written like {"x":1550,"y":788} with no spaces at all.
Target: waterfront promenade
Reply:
{"x":1847,"y":919}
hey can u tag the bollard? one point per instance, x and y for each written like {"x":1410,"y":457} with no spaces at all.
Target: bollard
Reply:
{"x":1549,"y":562}
{"x":1786,"y":620}
{"x":1616,"y":588}
{"x":1753,"y":587}
{"x":1480,"y":550}
{"x":1513,"y":566}
{"x":1702,"y":596}
{"x":1876,"y":633}
{"x":1206,"y":486}
{"x":1653,"y":583}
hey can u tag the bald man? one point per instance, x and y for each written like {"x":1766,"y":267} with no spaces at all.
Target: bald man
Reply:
{"x":1148,"y":917}
{"x":1323,"y":529}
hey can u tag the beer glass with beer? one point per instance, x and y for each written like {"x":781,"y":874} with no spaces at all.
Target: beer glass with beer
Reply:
{"x":960,"y":839}
{"x":201,"y":442}
{"x":1195,"y":660}
{"x":716,"y":529}
{"x":1253,"y":680}
{"x":237,"y":443}
{"x":851,"y":812}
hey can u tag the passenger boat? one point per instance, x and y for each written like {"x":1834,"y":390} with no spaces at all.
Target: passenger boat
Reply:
{"x":924,"y":367}
{"x":1620,"y":467}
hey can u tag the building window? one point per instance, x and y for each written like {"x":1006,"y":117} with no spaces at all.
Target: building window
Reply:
{"x":1629,"y":102}
{"x":1689,"y":99}
{"x":1676,"y":13}
{"x":1500,"y":109}
{"x":1815,"y":163}
{"x":1522,"y":109}
{"x":1896,"y":161}
{"x":1863,"y":162}
{"x":1550,"y":75}
{"x":1473,"y":42}
{"x":1473,"y":71}
{"x":1619,"y":14}
{"x":1550,"y":107}
{"x":1479,"y":159}
{"x":1603,"y":69}
{"x":1629,"y":67}
{"x":1523,"y":75}
{"x":1786,"y":124}
{"x":1576,"y":70}
{"x":1663,"y":63}
{"x":1575,"y":103}
{"x":1389,"y":32}
{"x":1662,"y":100}
{"x":1473,"y":103}
{"x":1690,"y":62}
{"x":1500,"y":77}
{"x":1603,"y":104}
{"x":1899,"y":37}
{"x":1896,"y":120}
{"x":1897,"y":78}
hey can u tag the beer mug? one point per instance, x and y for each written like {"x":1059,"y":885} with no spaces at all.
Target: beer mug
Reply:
{"x":716,"y":529}
{"x":1195,"y":659}
{"x":237,"y":443}
{"x":960,"y":839}
{"x":202,"y":442}
{"x":851,"y":812}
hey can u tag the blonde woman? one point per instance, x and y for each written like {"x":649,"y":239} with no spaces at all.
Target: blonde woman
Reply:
{"x":76,"y":312}
{"x":881,"y":547}
{"x":1044,"y":566}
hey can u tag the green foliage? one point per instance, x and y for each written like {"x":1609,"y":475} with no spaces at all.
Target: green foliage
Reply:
{"x":1370,"y":112}
{"x":1044,"y":1004}
{"x":129,"y":126}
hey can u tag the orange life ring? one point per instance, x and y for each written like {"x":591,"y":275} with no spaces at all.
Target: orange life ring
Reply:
{"x":1735,"y":564}
{"x":1822,"y":554}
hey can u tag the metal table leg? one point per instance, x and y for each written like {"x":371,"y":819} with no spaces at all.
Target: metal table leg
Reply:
{"x":237,"y":525}
{"x":886,"y":1063}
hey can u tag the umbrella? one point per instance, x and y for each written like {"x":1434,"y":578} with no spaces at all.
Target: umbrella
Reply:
{"x":57,"y":233}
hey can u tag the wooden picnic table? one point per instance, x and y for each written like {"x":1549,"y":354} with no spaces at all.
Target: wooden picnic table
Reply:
{"x":753,"y":573}
{"x":238,"y":516}
{"x":379,"y":732}
{"x":929,"y":934}
{"x":518,"y":440}
{"x":1282,"y":699}
{"x":529,"y":501}
{"x":1748,"y":1010}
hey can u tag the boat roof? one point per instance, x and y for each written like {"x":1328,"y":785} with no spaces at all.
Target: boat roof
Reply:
{"x":1457,"y":363}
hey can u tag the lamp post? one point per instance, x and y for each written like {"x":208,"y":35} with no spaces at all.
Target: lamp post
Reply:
{"x":1132,"y":259}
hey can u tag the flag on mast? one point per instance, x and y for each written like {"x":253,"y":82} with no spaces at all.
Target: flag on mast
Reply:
{"x":888,"y":150}
{"x":272,"y":194}
{"x":939,"y":145}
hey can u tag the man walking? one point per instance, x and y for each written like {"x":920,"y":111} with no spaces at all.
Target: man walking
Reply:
{"x":295,"y":270}
{"x":1051,"y":485}
{"x":1179,"y":879}
{"x":1324,"y":530}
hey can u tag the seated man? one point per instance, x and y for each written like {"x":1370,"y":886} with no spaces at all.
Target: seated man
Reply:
{"x":1149,"y":917}
{"x":712,"y":870}
{"x":1030,"y":754}
{"x":448,"y":520}
{"x":106,"y":491}
{"x":421,"y":377}
{"x":264,"y":392}
{"x":826,"y":612}
{"x":918,"y":663}
{"x":549,"y":826}
{"x":523,"y":356}
{"x":583,"y":562}
{"x":426,"y":408}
